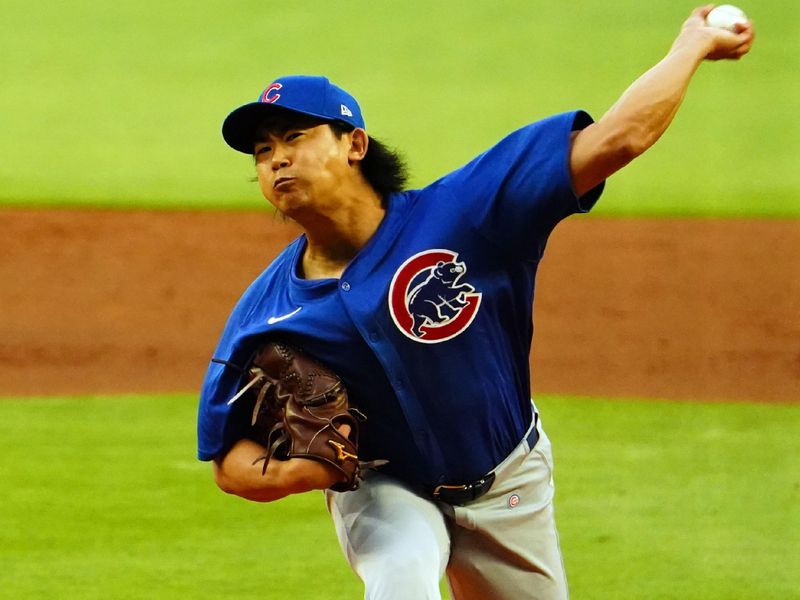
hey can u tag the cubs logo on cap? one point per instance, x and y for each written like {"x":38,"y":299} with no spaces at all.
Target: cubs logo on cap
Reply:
{"x":271,"y":95}
{"x":305,"y":94}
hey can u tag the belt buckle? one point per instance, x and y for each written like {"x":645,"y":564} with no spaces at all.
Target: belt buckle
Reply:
{"x":437,"y":491}
{"x":461,"y":494}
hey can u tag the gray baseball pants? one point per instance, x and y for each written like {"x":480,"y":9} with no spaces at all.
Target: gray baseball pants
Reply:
{"x":503,"y":545}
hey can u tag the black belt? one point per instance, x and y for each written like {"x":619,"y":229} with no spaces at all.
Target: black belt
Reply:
{"x":461,"y":494}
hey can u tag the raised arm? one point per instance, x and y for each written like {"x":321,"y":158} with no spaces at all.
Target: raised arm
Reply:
{"x":647,"y":107}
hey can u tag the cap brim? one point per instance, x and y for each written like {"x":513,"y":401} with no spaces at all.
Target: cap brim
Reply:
{"x":239,"y":127}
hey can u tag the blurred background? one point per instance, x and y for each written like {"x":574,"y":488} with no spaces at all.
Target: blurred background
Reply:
{"x":121,"y":103}
{"x":667,"y":355}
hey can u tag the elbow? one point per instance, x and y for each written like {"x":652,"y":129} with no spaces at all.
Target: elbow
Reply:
{"x":635,"y":139}
{"x":620,"y":140}
{"x":230,"y":484}
{"x":605,"y":147}
{"x":619,"y":150}
{"x":224,"y":482}
{"x":233,"y":487}
{"x":627,"y":145}
{"x":635,"y":145}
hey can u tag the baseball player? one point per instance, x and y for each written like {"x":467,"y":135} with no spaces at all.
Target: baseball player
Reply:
{"x":421,"y":301}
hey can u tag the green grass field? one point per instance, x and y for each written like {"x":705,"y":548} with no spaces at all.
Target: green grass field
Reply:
{"x":102,"y":498}
{"x":121,"y":103}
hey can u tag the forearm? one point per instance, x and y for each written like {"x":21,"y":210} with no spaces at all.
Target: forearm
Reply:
{"x":645,"y":110}
{"x":647,"y":107}
{"x":636,"y":121}
{"x":240,"y":473}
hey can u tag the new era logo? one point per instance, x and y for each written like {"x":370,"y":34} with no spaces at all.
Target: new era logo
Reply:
{"x":346,"y":111}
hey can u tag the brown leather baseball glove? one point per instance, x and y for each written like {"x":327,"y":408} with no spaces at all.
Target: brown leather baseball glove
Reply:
{"x":300,"y":407}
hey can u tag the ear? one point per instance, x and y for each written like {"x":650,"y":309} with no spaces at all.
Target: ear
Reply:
{"x":359,"y":141}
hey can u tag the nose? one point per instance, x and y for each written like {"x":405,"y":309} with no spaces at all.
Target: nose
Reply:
{"x":280,"y":159}
{"x":279,"y":163}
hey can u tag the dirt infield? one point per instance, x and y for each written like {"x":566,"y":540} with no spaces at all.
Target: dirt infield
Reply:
{"x":115,"y":301}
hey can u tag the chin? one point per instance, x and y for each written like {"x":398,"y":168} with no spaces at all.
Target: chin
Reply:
{"x":290,"y":204}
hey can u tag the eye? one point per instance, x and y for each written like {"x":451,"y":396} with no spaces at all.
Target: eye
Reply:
{"x":262,"y":150}
{"x":293,"y":135}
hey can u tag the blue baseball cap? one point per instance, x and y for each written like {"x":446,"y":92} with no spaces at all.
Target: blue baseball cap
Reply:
{"x":305,"y":94}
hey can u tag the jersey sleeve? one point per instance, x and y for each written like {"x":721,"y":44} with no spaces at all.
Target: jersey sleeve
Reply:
{"x":215,"y":429}
{"x":516,"y":192}
{"x":217,"y":425}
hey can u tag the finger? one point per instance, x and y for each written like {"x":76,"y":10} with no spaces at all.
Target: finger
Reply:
{"x":729,"y":41}
{"x":745,"y":29}
{"x":743,"y":41}
{"x":745,"y":44}
{"x":738,"y":52}
{"x":741,"y":51}
{"x":702,"y":11}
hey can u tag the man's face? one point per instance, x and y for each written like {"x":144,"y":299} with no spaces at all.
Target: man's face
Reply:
{"x":301,"y":167}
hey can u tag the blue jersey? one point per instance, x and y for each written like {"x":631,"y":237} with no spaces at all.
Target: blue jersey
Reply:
{"x":430,"y":325}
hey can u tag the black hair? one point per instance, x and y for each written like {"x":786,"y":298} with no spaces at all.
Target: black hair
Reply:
{"x":383,"y":168}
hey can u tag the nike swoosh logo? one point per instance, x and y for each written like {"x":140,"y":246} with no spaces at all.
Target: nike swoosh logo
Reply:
{"x":273,"y":320}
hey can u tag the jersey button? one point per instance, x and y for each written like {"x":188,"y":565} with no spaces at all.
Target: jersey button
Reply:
{"x":373,"y":335}
{"x":345,"y":286}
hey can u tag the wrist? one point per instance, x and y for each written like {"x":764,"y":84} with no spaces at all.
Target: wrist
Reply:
{"x":694,"y":44}
{"x":303,"y":475}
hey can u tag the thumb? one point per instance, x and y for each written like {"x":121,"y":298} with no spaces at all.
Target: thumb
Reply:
{"x":703,"y":11}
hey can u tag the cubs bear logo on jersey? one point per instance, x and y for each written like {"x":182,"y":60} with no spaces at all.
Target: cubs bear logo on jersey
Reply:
{"x":428,"y":300}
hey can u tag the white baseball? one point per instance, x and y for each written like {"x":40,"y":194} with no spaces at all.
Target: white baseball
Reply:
{"x":727,"y":17}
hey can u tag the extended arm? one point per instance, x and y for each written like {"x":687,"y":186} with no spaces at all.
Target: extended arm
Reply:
{"x":645,"y":110}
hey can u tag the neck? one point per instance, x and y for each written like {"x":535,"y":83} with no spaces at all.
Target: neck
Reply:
{"x":336,"y":236}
